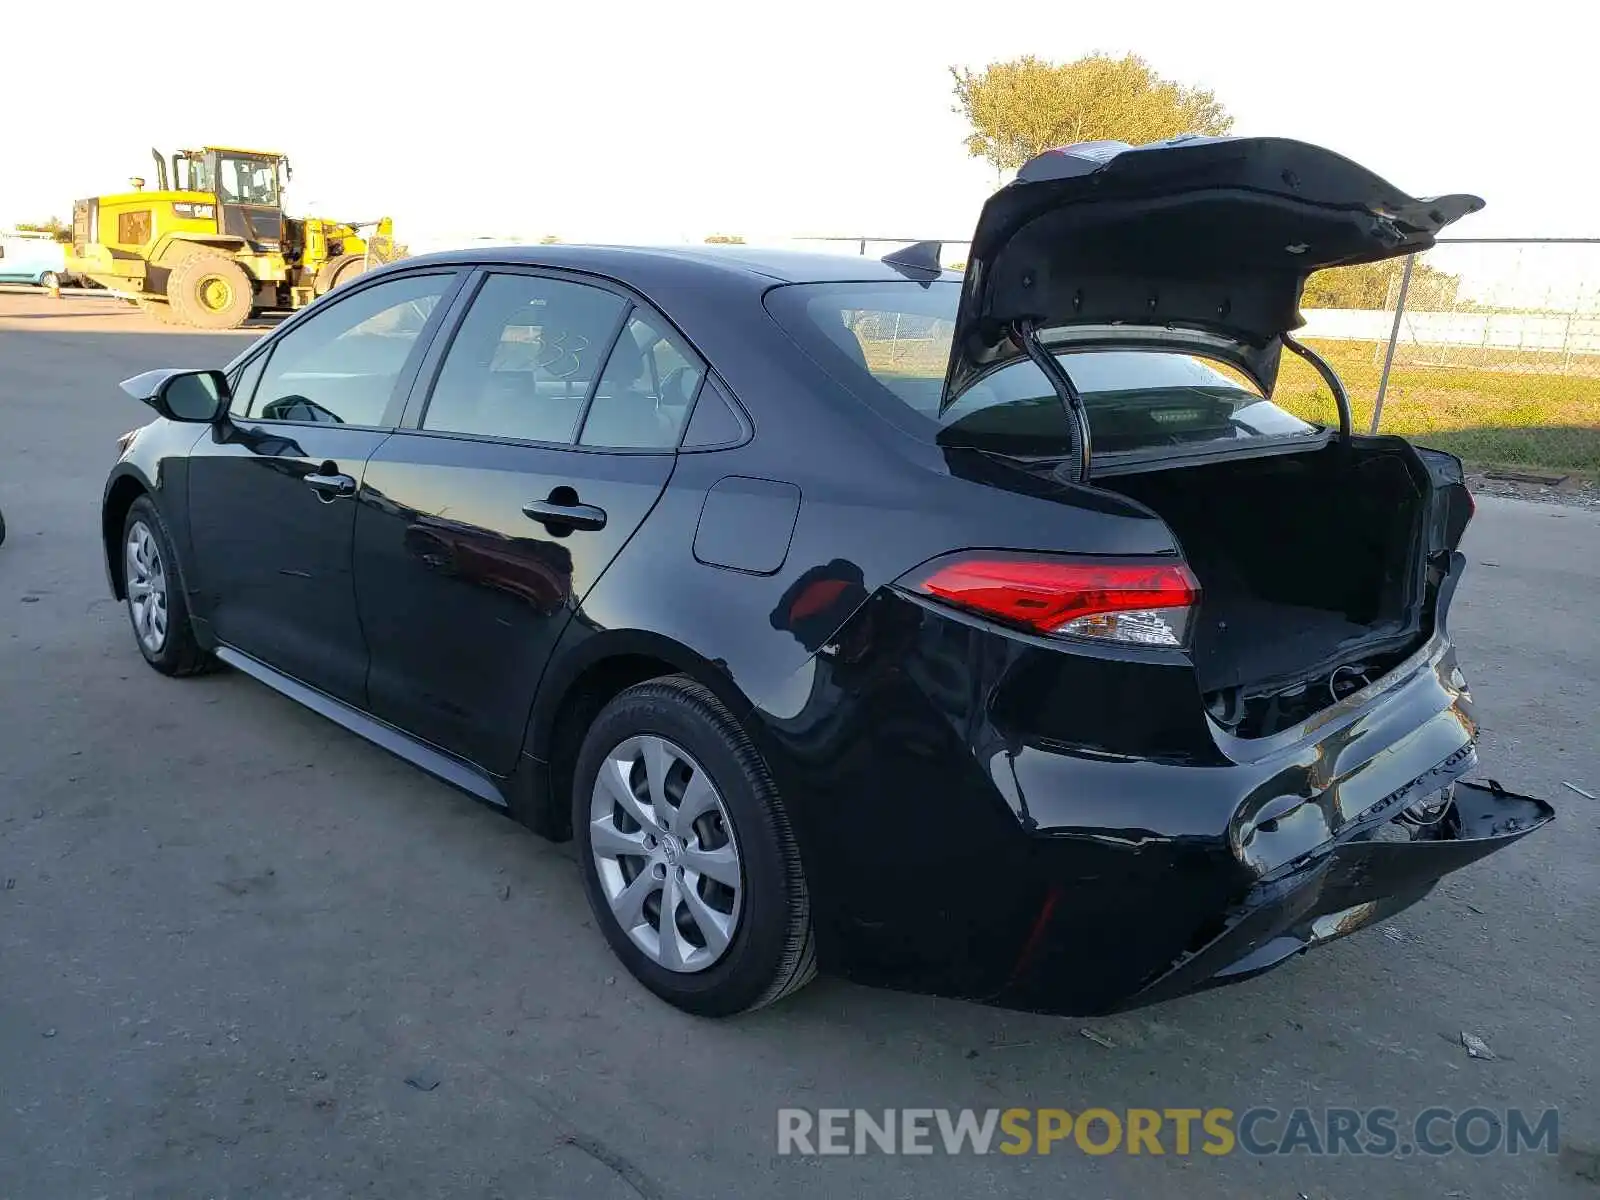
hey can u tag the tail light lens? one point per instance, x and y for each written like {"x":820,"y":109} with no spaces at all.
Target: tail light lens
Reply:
{"x":1138,"y":603}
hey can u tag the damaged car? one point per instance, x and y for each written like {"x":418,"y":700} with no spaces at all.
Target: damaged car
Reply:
{"x":993,"y":635}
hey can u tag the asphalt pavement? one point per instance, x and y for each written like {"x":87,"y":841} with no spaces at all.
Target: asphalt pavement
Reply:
{"x":244,"y":953}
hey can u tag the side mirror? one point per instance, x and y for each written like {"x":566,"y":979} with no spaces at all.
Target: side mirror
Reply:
{"x":198,"y":396}
{"x":193,"y":396}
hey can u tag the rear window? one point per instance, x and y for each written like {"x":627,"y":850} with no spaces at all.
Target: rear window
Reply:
{"x":890,"y":343}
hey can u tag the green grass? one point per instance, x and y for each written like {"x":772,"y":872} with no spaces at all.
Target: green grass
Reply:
{"x":1509,"y":409}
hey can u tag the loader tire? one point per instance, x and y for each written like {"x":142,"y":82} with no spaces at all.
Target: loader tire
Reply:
{"x":209,"y":291}
{"x":339,"y":270}
{"x":158,"y":311}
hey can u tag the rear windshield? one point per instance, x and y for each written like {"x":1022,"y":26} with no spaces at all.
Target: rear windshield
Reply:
{"x":890,"y":343}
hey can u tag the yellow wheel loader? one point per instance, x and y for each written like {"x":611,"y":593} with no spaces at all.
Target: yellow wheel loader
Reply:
{"x":210,"y":245}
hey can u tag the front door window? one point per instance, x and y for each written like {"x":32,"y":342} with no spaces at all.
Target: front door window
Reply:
{"x":341,"y":365}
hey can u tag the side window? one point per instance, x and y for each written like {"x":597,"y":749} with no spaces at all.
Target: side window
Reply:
{"x":714,"y":422}
{"x":243,"y":385}
{"x":646,"y":391}
{"x":341,"y":364}
{"x":524,"y":360}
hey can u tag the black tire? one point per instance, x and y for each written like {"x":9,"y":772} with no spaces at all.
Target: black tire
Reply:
{"x":50,"y":281}
{"x":210,"y":291}
{"x":339,"y":270}
{"x":2,"y":529}
{"x":772,"y":951}
{"x":178,"y":652}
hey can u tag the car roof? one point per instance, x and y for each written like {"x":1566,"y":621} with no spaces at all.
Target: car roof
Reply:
{"x":780,"y":266}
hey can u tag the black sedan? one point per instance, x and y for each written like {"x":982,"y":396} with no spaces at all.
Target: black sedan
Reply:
{"x":994,"y":636}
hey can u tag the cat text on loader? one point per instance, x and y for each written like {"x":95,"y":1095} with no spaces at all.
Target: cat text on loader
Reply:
{"x":210,"y":244}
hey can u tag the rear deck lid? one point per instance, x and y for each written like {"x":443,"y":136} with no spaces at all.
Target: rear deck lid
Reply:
{"x":1214,"y":236}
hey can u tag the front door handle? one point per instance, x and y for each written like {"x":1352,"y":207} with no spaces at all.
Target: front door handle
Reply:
{"x":329,"y":486}
{"x":561,"y":518}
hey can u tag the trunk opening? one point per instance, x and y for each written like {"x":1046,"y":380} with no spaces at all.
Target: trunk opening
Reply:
{"x":1312,"y":574}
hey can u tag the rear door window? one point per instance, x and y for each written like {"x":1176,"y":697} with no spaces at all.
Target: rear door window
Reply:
{"x":525,"y":359}
{"x":648,"y":387}
{"x":714,"y":424}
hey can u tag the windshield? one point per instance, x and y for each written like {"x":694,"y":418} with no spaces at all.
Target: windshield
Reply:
{"x":890,"y":343}
{"x":248,"y":181}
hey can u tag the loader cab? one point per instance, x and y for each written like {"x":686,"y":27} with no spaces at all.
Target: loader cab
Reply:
{"x":248,"y":189}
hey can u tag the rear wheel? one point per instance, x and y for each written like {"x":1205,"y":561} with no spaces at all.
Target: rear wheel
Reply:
{"x":209,"y":291}
{"x":157,"y":607}
{"x":688,"y":859}
{"x":50,"y":281}
{"x":339,"y":270}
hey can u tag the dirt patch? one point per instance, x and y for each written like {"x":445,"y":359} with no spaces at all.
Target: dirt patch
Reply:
{"x":1574,"y":490}
{"x":93,"y":311}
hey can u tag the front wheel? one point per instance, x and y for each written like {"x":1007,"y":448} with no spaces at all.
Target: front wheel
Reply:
{"x":688,"y":859}
{"x":159,"y":311}
{"x":209,"y":291}
{"x":50,"y":281}
{"x":157,"y":607}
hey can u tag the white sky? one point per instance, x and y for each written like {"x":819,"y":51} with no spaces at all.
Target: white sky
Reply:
{"x":647,"y":121}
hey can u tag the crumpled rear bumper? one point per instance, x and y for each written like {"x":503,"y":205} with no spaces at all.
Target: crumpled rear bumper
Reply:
{"x":1365,"y":877}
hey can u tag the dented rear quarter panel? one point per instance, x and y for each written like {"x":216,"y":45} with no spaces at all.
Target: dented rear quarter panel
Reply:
{"x":950,"y":782}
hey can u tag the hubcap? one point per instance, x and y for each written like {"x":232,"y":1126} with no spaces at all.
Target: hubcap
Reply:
{"x":215,"y":293}
{"x":147,"y":588}
{"x":665,"y":852}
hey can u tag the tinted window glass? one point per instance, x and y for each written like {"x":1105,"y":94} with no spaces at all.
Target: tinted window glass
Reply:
{"x":645,"y":393}
{"x":243,"y":385}
{"x":714,"y":422}
{"x":892,"y":341}
{"x":1136,"y":399}
{"x":341,"y":364}
{"x":524,"y":359}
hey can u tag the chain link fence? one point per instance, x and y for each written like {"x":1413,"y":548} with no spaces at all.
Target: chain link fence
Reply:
{"x":1487,"y":348}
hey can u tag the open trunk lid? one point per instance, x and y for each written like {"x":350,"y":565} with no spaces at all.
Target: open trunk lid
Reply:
{"x":1196,"y":241}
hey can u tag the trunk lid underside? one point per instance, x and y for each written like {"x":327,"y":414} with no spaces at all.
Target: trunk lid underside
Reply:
{"x":1214,"y":235}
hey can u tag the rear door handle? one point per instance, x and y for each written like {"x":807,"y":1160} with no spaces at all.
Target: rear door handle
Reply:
{"x":329,"y":486}
{"x":563,"y":518}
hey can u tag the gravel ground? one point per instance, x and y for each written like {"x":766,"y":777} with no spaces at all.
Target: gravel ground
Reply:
{"x":1572,"y":492}
{"x":243,"y":953}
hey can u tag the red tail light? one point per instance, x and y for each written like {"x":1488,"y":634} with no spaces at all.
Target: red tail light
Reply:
{"x":1134,"y":602}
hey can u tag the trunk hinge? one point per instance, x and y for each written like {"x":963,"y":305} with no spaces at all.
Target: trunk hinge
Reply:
{"x":1329,"y":377}
{"x":1079,"y":443}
